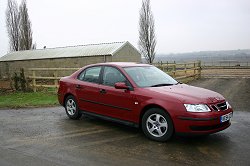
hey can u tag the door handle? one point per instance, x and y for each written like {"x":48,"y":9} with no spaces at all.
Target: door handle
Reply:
{"x":103,"y":91}
{"x":78,"y":87}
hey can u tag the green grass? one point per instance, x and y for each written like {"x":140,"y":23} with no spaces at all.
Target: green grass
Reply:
{"x":27,"y":99}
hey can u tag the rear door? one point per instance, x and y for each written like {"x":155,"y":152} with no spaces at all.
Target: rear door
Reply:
{"x":87,"y":89}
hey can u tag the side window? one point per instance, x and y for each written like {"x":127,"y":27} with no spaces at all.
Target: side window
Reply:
{"x":90,"y":74}
{"x":111,"y":76}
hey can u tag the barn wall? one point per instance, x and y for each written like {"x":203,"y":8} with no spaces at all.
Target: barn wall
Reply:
{"x":7,"y":69}
{"x":127,"y":54}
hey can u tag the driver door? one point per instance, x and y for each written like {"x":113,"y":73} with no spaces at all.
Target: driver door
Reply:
{"x":117,"y":103}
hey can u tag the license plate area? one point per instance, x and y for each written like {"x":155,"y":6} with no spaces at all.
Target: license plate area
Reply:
{"x":226,"y":117}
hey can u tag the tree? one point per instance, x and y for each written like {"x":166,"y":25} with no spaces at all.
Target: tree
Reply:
{"x":147,"y":38}
{"x":12,"y":24}
{"x":25,"y":37}
{"x":19,"y":26}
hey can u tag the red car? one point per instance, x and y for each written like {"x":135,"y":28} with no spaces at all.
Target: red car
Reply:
{"x":143,"y":96}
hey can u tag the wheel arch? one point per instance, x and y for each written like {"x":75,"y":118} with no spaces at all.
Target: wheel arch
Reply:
{"x":65,"y":97}
{"x":149,"y":106}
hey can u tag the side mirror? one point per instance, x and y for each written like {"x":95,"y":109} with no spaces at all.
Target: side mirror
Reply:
{"x":121,"y":85}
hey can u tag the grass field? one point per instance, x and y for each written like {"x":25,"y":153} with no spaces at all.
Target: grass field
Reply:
{"x":29,"y":99}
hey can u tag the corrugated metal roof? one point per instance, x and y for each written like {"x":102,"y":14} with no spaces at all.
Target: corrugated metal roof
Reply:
{"x":63,"y":52}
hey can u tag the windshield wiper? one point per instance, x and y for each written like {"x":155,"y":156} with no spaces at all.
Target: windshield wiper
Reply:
{"x":157,"y":85}
{"x":178,"y":83}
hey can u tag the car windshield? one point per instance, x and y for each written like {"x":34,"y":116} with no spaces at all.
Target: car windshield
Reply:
{"x":149,"y":76}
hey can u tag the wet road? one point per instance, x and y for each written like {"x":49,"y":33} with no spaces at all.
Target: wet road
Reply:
{"x":45,"y":136}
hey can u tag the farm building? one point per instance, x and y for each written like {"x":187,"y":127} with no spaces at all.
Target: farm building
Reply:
{"x":68,"y":57}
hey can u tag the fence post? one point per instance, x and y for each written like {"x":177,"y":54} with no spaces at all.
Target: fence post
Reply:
{"x":162,"y":66}
{"x":174,"y":69}
{"x":199,"y":70}
{"x":34,"y":80}
{"x":194,"y":70}
{"x":167,"y":66}
{"x":185,"y":70}
{"x":55,"y":80}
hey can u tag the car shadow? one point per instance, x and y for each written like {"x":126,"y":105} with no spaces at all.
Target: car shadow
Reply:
{"x":217,"y":139}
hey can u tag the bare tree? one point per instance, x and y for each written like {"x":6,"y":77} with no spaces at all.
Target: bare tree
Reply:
{"x":147,"y":38}
{"x":25,"y":38}
{"x":12,"y":24}
{"x":19,"y":26}
{"x":34,"y":46}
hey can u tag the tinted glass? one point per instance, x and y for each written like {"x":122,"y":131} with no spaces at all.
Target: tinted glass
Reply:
{"x":112,"y":75}
{"x":149,"y":76}
{"x":90,"y":74}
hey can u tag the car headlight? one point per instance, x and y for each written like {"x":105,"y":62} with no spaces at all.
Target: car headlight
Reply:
{"x":197,"y":108}
{"x":228,"y":105}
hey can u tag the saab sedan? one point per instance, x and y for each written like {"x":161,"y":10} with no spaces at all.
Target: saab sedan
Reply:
{"x":142,"y":95}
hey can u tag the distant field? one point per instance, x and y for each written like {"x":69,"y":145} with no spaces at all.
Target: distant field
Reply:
{"x":226,"y":73}
{"x":242,"y":55}
{"x":231,"y":63}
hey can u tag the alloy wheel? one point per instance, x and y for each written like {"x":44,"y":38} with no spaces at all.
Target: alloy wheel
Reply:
{"x":157,"y":125}
{"x":71,"y":107}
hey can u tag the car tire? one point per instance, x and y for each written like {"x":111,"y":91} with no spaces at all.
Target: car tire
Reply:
{"x":71,"y":108}
{"x":157,"y":125}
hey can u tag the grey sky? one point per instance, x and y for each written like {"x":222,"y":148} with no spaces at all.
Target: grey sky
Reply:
{"x":181,"y":25}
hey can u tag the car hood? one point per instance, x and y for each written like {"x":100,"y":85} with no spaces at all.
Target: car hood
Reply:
{"x":188,"y":94}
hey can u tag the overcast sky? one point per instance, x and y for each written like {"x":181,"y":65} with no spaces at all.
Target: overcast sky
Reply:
{"x":180,"y":25}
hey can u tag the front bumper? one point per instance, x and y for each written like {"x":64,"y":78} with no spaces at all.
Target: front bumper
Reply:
{"x":205,"y":123}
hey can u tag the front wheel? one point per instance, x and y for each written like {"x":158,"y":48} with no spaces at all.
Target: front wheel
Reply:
{"x":157,"y":125}
{"x":71,"y":108}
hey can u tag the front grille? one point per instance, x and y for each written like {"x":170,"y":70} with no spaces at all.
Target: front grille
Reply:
{"x":214,"y":107}
{"x":222,"y":106}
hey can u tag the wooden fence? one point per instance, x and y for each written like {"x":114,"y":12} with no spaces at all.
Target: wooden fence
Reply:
{"x":181,"y":71}
{"x":176,"y":70}
{"x":55,"y":77}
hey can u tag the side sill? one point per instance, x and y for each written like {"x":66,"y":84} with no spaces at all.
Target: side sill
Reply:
{"x":124,"y":122}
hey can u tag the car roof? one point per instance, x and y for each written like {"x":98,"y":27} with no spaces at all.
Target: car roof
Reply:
{"x":122,"y":64}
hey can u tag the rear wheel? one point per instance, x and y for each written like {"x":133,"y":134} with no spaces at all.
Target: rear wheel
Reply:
{"x":157,"y":125}
{"x":71,"y":108}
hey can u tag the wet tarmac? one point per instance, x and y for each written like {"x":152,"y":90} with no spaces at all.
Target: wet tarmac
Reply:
{"x":45,"y":136}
